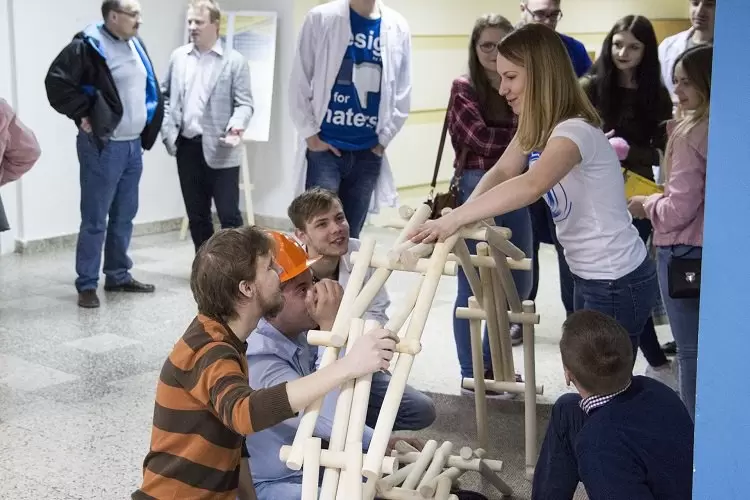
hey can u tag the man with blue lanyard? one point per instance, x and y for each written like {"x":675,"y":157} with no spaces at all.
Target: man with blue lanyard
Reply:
{"x":104,"y":81}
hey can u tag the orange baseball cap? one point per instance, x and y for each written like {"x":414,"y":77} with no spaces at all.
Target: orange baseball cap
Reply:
{"x":290,"y":256}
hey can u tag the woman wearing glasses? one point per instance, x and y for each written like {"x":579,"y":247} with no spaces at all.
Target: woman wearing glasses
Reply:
{"x":481,"y":125}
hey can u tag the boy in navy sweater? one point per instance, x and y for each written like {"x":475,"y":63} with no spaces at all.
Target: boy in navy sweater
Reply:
{"x":624,"y":437}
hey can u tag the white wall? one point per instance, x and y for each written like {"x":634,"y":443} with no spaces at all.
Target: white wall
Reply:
{"x":45,"y":203}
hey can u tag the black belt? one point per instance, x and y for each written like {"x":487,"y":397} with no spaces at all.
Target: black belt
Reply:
{"x":198,"y":138}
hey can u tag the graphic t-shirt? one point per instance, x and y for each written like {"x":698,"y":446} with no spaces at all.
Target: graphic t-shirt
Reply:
{"x":352,"y":116}
{"x":589,"y":208}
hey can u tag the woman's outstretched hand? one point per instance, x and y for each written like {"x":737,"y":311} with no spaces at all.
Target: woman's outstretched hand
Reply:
{"x":436,"y":230}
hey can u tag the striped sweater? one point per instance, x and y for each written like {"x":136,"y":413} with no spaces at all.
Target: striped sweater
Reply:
{"x":204,"y":408}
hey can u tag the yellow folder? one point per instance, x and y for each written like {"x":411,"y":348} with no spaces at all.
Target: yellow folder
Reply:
{"x":637,"y":185}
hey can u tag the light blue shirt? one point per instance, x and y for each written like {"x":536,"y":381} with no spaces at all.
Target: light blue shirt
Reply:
{"x":272,"y":359}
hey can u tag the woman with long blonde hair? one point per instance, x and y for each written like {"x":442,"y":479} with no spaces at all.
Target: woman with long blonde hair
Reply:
{"x":575,"y":169}
{"x":677,"y":214}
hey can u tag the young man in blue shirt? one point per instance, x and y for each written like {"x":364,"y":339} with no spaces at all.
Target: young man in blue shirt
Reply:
{"x":623,"y":437}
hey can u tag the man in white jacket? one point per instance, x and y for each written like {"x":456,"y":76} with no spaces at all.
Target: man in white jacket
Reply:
{"x":349,"y":96}
{"x":702,"y":15}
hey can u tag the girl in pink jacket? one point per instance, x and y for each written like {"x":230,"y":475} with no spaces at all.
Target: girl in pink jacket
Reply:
{"x":677,"y":214}
{"x":19,"y":150}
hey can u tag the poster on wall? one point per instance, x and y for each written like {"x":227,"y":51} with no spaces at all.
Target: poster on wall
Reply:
{"x":253,"y":34}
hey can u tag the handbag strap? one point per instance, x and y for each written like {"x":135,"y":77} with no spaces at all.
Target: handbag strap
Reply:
{"x":461,"y":157}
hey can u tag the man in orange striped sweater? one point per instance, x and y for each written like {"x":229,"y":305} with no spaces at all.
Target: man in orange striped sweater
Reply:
{"x":204,"y":405}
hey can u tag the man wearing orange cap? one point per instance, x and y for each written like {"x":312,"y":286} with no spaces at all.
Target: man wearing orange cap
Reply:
{"x":278,"y":352}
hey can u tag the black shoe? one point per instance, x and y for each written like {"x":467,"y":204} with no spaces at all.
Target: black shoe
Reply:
{"x":133,"y":286}
{"x":670,"y":348}
{"x":516,"y":335}
{"x":88,"y":299}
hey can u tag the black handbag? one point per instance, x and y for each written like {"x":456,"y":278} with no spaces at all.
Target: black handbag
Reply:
{"x":449,"y":199}
{"x":684,"y":277}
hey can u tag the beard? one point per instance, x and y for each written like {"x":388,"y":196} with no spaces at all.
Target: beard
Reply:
{"x":272,"y":306}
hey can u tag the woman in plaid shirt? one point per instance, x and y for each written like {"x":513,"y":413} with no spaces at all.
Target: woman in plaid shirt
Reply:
{"x":481,"y":125}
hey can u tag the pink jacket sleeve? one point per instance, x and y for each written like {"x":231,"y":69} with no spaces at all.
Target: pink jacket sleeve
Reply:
{"x":685,"y":193}
{"x":19,"y":149}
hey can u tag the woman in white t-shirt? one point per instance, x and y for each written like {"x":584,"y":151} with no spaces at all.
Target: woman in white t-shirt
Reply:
{"x":575,"y":169}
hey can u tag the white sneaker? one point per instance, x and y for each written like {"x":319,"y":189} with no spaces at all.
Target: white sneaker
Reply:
{"x":664,"y":374}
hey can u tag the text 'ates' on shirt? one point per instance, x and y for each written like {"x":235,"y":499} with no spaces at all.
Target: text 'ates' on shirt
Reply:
{"x":589,"y":208}
{"x":351,"y":120}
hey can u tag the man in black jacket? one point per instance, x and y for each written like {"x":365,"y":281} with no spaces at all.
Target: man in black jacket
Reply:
{"x":104,"y":81}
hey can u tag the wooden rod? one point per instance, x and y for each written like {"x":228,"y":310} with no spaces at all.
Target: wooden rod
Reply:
{"x":498,"y":386}
{"x":520,"y":318}
{"x":506,"y":278}
{"x":461,"y":252}
{"x":488,"y":305}
{"x":503,"y":323}
{"x":395,"y":479}
{"x":323,"y":338}
{"x":311,"y":472}
{"x":501,"y":242}
{"x":353,"y":474}
{"x":454,"y":461}
{"x":529,"y":364}
{"x":443,"y":489}
{"x":478,"y":261}
{"x":337,"y":441}
{"x":420,"y":465}
{"x":338,"y":459}
{"x":427,"y":490}
{"x":382,"y":262}
{"x":493,"y":478}
{"x":437,"y":464}
{"x":477,"y":361}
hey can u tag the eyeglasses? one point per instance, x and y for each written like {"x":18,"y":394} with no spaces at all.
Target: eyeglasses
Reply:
{"x":543,"y":15}
{"x":132,"y":15}
{"x":487,"y":47}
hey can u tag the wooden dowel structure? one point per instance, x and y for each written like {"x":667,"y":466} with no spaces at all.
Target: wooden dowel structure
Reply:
{"x":477,"y":361}
{"x":341,"y":325}
{"x":410,"y":257}
{"x":493,"y":478}
{"x":311,"y":472}
{"x":353,"y":474}
{"x":529,"y":364}
{"x":421,"y":266}
{"x":488,"y":304}
{"x":396,"y":387}
{"x":466,"y":453}
{"x":404,"y":447}
{"x":337,"y":441}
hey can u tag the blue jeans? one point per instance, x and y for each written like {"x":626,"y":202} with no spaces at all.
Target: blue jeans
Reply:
{"x":416,"y":411}
{"x":683,"y":319}
{"x":519,"y":223}
{"x":629,"y":299}
{"x":290,"y":488}
{"x":352,"y":176}
{"x":109,"y":202}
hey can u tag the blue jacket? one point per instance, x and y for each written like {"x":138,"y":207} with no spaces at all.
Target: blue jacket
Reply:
{"x":79,"y":84}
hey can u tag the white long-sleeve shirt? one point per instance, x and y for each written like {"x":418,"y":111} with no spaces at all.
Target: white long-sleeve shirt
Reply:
{"x":322,"y":43}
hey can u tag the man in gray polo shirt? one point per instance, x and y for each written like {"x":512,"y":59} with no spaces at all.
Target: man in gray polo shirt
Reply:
{"x":104,"y":81}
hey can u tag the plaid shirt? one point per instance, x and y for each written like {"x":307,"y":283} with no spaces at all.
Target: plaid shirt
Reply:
{"x":593,"y":402}
{"x":486,"y":141}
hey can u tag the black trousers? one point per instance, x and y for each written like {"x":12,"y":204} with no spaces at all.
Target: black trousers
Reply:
{"x":200,"y":185}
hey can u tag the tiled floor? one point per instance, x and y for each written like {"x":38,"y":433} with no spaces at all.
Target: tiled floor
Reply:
{"x":77,"y":386}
